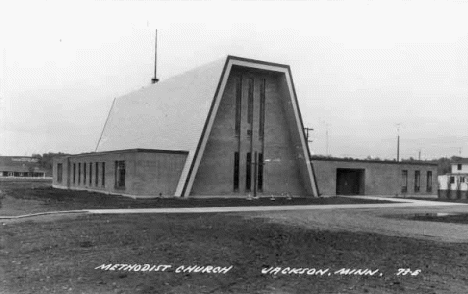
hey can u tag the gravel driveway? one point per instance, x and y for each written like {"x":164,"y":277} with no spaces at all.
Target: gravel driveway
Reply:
{"x":389,"y":221}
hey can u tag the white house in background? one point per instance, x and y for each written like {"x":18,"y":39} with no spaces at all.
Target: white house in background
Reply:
{"x":460,"y":166}
{"x":454,"y":185}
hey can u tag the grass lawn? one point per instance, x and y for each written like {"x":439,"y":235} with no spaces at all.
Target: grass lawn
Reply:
{"x":61,"y":257}
{"x":46,"y":198}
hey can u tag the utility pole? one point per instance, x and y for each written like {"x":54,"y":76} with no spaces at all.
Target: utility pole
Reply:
{"x":307,"y":134}
{"x":398,"y":142}
{"x":326,"y":134}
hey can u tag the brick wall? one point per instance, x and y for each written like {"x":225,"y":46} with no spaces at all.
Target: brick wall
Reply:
{"x":157,"y":173}
{"x":146,"y":173}
{"x":281,"y":152}
{"x":379,"y":178}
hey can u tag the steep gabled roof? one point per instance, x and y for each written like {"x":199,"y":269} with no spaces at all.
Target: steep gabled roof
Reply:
{"x":168,"y":115}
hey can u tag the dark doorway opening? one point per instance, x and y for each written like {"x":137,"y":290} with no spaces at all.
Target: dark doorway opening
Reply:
{"x":349,"y":181}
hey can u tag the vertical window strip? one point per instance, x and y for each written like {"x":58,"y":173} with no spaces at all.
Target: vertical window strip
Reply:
{"x":74,"y":173}
{"x":429,"y":181}
{"x":404,"y":178}
{"x":116,"y":174}
{"x":238,"y":105}
{"x":236,"y":171}
{"x":120,"y":174}
{"x":90,"y":173}
{"x":103,"y":171}
{"x":96,"y":174}
{"x":84,"y":173}
{"x":79,"y":173}
{"x":261,"y":126}
{"x":248,"y":173}
{"x":250,"y":104}
{"x":59,"y":172}
{"x":417,"y":181}
{"x":260,"y":172}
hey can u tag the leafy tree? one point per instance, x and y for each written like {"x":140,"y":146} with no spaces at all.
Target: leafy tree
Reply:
{"x":45,"y":160}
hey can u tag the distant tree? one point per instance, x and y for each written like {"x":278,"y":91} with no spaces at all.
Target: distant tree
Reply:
{"x":444,"y":164}
{"x":45,"y":160}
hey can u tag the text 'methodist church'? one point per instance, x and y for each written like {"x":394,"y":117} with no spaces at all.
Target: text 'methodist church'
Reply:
{"x":228,"y":128}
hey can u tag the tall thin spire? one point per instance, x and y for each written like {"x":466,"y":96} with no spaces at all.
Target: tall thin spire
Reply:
{"x":155,"y":79}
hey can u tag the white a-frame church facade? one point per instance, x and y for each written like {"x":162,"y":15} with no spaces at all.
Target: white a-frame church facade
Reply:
{"x":229,"y":128}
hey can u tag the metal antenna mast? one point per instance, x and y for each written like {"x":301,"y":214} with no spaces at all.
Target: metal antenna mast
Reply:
{"x":155,"y":79}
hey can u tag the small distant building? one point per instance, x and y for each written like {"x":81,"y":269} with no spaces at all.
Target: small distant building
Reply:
{"x":20,"y":167}
{"x":375,"y":177}
{"x":454,"y":185}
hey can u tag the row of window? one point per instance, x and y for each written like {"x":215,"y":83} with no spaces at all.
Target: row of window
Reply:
{"x":417,"y":181}
{"x":460,"y":180}
{"x":88,"y":173}
{"x":250,"y":106}
{"x":21,"y":174}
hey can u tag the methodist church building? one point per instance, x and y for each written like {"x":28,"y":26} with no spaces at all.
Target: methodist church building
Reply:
{"x":228,"y":128}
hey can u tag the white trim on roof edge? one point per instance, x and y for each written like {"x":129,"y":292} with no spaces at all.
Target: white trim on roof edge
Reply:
{"x":225,"y":75}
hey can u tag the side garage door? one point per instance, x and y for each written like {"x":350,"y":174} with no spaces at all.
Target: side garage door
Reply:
{"x":350,"y":181}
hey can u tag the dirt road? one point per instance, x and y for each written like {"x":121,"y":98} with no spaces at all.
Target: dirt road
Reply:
{"x":392,"y":221}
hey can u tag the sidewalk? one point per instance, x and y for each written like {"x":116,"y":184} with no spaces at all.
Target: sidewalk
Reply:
{"x":399,"y":203}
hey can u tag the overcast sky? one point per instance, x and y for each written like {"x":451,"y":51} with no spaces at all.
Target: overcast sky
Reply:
{"x":359,"y":67}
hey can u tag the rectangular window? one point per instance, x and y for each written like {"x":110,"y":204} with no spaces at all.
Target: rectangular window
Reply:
{"x":236,"y":171}
{"x":261,"y":126}
{"x":404,"y":181}
{"x":452,"y":180}
{"x":59,"y":172}
{"x":84,"y":173}
{"x":74,"y":173}
{"x":429,"y":181}
{"x":260,"y":172}
{"x":248,"y":173}
{"x":96,"y":174}
{"x":103,"y":175}
{"x":238,"y":105}
{"x":417,"y":181}
{"x":250,"y":100}
{"x":459,"y":166}
{"x":120,"y":174}
{"x":90,"y":173}
{"x":79,"y":173}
